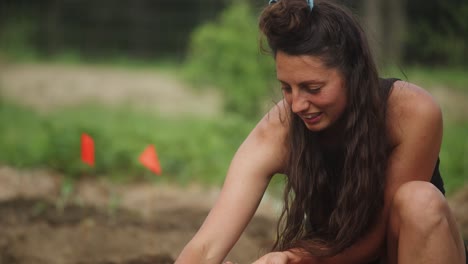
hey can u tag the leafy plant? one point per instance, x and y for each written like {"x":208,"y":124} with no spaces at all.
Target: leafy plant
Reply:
{"x":225,"y":54}
{"x":189,"y":149}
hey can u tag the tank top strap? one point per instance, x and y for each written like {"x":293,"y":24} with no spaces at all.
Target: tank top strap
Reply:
{"x":386,"y":84}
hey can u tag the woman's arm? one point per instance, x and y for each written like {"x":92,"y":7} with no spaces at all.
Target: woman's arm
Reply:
{"x":259,"y":157}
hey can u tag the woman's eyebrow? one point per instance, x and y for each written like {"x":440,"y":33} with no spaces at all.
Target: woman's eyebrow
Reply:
{"x":306,"y":82}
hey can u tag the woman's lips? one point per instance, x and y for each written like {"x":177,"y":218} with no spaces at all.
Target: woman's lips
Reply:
{"x":312,"y":118}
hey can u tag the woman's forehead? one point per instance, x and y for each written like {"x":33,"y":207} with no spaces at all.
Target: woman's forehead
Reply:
{"x":300,"y":67}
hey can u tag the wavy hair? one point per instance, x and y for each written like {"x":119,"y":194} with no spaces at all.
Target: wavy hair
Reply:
{"x":331,"y":200}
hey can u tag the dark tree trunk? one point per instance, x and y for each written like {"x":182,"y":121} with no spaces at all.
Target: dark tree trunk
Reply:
{"x":374,"y":26}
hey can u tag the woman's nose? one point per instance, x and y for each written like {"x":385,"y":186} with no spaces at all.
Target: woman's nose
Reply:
{"x":298,"y":103}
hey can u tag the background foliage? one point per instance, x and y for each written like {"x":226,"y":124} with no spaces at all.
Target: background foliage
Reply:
{"x":433,"y":32}
{"x":225,"y":53}
{"x":189,"y":148}
{"x":214,"y":44}
{"x":437,"y":33}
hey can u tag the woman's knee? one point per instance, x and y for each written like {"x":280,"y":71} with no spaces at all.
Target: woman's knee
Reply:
{"x":419,"y":204}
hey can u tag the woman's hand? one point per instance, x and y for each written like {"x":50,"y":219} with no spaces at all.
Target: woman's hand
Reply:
{"x":270,"y":258}
{"x":274,"y":258}
{"x":292,"y":256}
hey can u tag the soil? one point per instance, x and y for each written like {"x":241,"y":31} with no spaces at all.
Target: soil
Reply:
{"x":102,"y":222}
{"x":41,"y":221}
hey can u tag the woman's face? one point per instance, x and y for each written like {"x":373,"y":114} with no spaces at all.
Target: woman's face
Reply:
{"x":314,"y":92}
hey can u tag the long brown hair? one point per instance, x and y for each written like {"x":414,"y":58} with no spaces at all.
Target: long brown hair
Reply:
{"x":329,"y":204}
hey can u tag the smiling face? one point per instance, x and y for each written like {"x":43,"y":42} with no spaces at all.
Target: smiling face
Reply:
{"x":314,"y":92}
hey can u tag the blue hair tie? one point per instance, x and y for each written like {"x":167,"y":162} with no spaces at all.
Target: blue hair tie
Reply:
{"x":310,"y":3}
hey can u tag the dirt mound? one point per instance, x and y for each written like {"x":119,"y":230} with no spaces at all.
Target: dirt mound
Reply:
{"x":149,"y":223}
{"x":38,"y":231}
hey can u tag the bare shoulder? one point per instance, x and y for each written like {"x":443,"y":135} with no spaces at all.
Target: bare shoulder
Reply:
{"x":411,"y":109}
{"x":268,"y":138}
{"x":275,"y":124}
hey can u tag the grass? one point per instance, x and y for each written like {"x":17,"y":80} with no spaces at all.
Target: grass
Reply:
{"x":428,"y":77}
{"x":189,"y":149}
{"x":454,"y":155}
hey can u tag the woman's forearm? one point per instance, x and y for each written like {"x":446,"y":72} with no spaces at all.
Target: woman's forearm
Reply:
{"x":193,"y":254}
{"x":188,"y":255}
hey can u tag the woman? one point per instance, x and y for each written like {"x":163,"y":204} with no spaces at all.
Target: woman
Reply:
{"x":360,"y":154}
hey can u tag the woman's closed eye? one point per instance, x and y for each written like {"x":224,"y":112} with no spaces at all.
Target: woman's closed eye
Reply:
{"x":313,"y":89}
{"x":286,"y":89}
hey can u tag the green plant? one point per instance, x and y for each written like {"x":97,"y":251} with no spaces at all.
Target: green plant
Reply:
{"x":189,"y":149}
{"x":66,"y":190}
{"x":226,"y":54}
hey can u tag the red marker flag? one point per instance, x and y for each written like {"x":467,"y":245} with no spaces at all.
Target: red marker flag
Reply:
{"x":150,"y":160}
{"x":87,"y":149}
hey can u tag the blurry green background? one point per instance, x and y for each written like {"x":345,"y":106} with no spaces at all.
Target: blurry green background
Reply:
{"x":188,"y":76}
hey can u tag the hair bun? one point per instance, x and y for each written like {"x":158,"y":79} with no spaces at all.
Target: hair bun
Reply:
{"x":285,"y":18}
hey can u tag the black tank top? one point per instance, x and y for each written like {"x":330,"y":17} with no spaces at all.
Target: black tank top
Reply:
{"x":387,"y":85}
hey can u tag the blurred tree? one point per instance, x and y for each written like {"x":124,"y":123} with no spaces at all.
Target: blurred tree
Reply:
{"x":225,"y":53}
{"x":395,"y":30}
{"x":385,"y":23}
{"x":374,"y":25}
{"x":400,"y":31}
{"x":437,"y":32}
